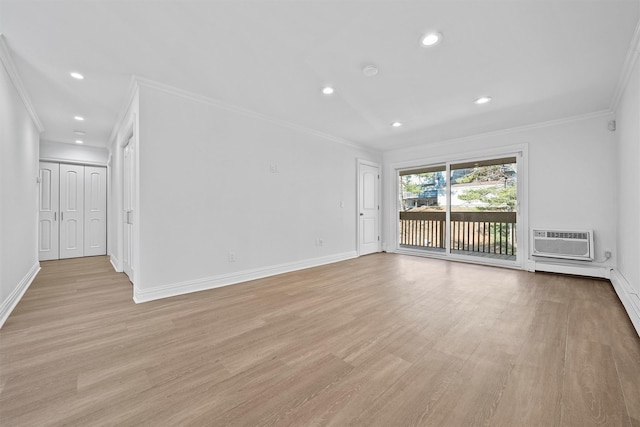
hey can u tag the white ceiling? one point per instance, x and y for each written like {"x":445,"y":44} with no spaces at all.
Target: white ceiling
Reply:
{"x":540,"y":60}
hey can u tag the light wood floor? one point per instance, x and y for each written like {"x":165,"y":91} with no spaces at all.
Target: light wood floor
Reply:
{"x":382,"y":340}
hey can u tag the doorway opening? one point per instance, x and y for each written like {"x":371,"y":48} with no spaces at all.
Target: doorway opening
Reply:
{"x":466,"y":210}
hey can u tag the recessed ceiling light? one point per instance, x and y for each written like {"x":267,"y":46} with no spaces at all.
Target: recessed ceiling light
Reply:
{"x":327,"y":90}
{"x":76,"y":75}
{"x":79,"y":132}
{"x":79,"y":118}
{"x":396,"y":124}
{"x":79,"y":141}
{"x":482,"y":100}
{"x":370,"y":70}
{"x":431,"y":39}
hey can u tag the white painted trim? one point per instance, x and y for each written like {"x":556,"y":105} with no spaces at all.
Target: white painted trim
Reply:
{"x":565,"y":268}
{"x":517,"y":129}
{"x":625,"y":74}
{"x":115,"y":263}
{"x":489,"y":262}
{"x":132,"y":92}
{"x":72,"y":162}
{"x":9,"y":304}
{"x":10,"y":66}
{"x":629,"y":298}
{"x":181,"y":288}
{"x":248,"y":113}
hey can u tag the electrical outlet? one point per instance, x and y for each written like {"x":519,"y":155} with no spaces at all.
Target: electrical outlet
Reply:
{"x":320,"y":242}
{"x":273,"y":168}
{"x":607,"y":253}
{"x":232,"y":257}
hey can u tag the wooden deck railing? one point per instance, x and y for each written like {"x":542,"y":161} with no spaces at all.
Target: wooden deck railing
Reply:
{"x":481,"y":232}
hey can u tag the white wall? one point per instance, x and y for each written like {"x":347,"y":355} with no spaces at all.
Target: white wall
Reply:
{"x":571,"y":175}
{"x":207,"y":189}
{"x":73,"y":153}
{"x":626,"y":277}
{"x":19,"y":137}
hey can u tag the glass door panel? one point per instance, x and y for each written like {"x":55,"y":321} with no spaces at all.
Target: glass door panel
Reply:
{"x":423,"y":204}
{"x":483,"y":206}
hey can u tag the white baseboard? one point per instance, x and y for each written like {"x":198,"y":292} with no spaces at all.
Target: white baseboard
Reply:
{"x":565,"y":268}
{"x":115,"y":263}
{"x":145,"y":295}
{"x":9,"y":304}
{"x":630,"y":299}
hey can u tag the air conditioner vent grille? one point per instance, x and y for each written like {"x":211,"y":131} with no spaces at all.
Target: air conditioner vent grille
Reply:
{"x":563,"y":244}
{"x":567,"y":235}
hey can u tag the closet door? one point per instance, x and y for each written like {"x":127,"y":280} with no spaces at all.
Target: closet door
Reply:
{"x":95,"y":215}
{"x":71,"y":211}
{"x":48,"y":221}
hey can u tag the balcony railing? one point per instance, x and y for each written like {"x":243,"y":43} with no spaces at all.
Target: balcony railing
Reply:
{"x":488,"y":233}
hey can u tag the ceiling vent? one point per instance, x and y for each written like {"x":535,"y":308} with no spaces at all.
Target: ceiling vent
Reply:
{"x":563,"y":244}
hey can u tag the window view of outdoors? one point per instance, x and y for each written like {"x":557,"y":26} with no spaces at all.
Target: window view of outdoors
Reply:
{"x":423,"y":207}
{"x":483,"y":203}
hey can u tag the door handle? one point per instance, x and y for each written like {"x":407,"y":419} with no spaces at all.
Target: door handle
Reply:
{"x":55,"y":216}
{"x":361,"y":214}
{"x":62,"y":216}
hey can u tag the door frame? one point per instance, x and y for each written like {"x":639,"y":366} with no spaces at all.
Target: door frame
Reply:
{"x":519,"y":151}
{"x":128,"y":265}
{"x":359,"y":231}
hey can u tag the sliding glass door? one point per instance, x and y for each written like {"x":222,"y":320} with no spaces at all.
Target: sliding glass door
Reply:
{"x":423,"y":208}
{"x":483,"y":208}
{"x":461,"y":209}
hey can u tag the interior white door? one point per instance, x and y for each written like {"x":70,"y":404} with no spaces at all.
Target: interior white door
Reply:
{"x":368,"y":208}
{"x":71,"y":211}
{"x":49,"y":199}
{"x":128,"y":197}
{"x":95,"y":211}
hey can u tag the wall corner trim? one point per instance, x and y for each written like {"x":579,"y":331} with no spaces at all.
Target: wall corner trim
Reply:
{"x":132,"y":91}
{"x":9,"y":304}
{"x":630,"y":299}
{"x":181,"y":288}
{"x":9,"y":65}
{"x":625,"y":74}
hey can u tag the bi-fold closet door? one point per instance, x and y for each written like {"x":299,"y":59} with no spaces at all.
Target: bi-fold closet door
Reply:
{"x":73,"y":202}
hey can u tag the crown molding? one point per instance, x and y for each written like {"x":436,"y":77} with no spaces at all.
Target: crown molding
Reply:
{"x":246,"y":112}
{"x":132,"y":91}
{"x":9,"y":65}
{"x":83,"y":147}
{"x":632,"y":56}
{"x":523,"y":128}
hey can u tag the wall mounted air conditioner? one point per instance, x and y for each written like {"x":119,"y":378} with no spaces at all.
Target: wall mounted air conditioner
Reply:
{"x":563,"y":244}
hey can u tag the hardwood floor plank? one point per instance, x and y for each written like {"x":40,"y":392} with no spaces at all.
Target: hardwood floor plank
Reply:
{"x":533,"y":392}
{"x":378,"y":340}
{"x":592,"y":394}
{"x":626,"y":353}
